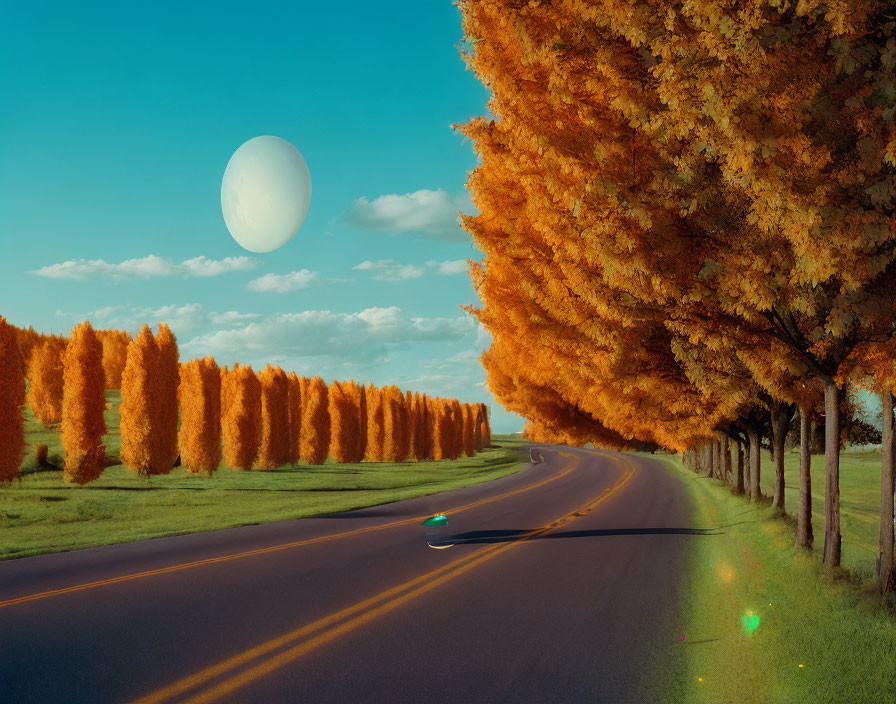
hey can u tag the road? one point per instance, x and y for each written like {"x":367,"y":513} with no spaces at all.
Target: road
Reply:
{"x":560,"y":584}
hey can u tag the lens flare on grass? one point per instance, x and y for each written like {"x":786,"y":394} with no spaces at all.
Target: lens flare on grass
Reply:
{"x":750,"y":622}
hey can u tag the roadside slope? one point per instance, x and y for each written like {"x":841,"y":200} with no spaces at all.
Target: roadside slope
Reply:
{"x":843,"y":641}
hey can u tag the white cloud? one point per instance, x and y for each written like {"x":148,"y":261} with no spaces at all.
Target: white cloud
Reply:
{"x":283,"y":283}
{"x":142,"y":267}
{"x":232,"y":317}
{"x":391,"y":270}
{"x":203,"y":266}
{"x":431,"y":214}
{"x":449,"y":268}
{"x":334,"y":337}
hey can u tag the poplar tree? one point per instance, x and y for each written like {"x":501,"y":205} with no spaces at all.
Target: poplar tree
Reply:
{"x":375,"y":428}
{"x":199,"y":394}
{"x":273,"y":449}
{"x":12,"y":399}
{"x":241,"y":422}
{"x":316,"y":423}
{"x":137,"y":414}
{"x":45,"y":387}
{"x":166,"y":378}
{"x":83,"y":405}
{"x":294,"y":401}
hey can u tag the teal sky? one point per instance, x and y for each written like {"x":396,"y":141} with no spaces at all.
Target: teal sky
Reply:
{"x":115,"y":129}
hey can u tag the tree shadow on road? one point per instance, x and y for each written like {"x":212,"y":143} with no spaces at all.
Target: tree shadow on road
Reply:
{"x":504,"y":536}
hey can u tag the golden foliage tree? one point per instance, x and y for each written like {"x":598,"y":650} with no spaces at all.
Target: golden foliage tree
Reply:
{"x":241,"y":419}
{"x":83,"y":404}
{"x":316,"y":423}
{"x":395,"y":431}
{"x":199,"y":394}
{"x":167,"y":376}
{"x":45,"y":385}
{"x":115,"y":352}
{"x":344,"y":421}
{"x":137,"y":415}
{"x":375,"y":427}
{"x":418,"y":427}
{"x":468,"y":433}
{"x":294,"y":401}
{"x":12,"y":398}
{"x":273,"y":449}
{"x":710,"y":172}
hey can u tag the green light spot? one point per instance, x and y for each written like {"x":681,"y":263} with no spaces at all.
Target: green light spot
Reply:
{"x":439,"y":520}
{"x":750,"y":622}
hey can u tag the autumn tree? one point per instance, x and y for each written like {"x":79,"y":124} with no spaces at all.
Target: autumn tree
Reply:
{"x":137,"y":414}
{"x":241,"y":419}
{"x":199,"y":395}
{"x":294,"y":401}
{"x":45,"y":387}
{"x":273,"y":449}
{"x":83,"y":405}
{"x":344,"y":421}
{"x":395,"y":431}
{"x":166,"y":377}
{"x":115,"y":350}
{"x":316,"y":423}
{"x":12,"y":399}
{"x":375,"y":428}
{"x":468,"y":439}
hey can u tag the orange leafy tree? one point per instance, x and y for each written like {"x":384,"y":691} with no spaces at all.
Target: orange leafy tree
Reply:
{"x":12,"y":398}
{"x":137,"y":415}
{"x":199,"y":394}
{"x":676,"y":168}
{"x":375,"y":428}
{"x":395,"y":431}
{"x":83,"y":404}
{"x":468,"y":434}
{"x":45,"y":386}
{"x":167,"y":376}
{"x":115,"y":352}
{"x":344,"y":421}
{"x":316,"y":423}
{"x":294,"y":401}
{"x":273,"y":449}
{"x":241,"y":419}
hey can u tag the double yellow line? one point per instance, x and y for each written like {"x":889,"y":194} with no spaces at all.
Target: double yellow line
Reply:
{"x":292,"y":645}
{"x":263,"y":551}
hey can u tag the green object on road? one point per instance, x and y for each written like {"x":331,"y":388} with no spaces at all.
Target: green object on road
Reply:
{"x":438,"y":520}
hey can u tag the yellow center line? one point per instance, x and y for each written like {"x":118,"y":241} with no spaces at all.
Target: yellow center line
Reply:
{"x":262,"y":551}
{"x":349,"y":618}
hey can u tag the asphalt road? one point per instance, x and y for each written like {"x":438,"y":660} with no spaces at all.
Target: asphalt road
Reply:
{"x":560,"y":584}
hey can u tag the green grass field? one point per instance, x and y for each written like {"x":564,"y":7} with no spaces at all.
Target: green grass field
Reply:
{"x":831,"y":625}
{"x":41,"y":513}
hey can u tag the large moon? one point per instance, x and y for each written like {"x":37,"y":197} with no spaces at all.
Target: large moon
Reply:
{"x":265,"y":193}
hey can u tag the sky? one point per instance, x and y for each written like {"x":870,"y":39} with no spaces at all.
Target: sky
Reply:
{"x":116,"y":126}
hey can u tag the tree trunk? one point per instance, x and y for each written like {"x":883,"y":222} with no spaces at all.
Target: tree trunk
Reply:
{"x":779,"y":435}
{"x":831,"y":474}
{"x":739,"y":477}
{"x":716,"y":458}
{"x":726,"y":459}
{"x":753,"y":434}
{"x":707,"y":458}
{"x":887,"y":577}
{"x":804,"y":511}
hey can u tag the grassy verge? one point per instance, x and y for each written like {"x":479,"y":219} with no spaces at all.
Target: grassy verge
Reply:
{"x":41,"y":513}
{"x":831,"y":626}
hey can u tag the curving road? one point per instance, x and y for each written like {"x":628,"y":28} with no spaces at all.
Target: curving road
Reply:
{"x":560,"y":585}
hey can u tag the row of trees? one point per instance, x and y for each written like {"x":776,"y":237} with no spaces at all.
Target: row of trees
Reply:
{"x":200,"y":413}
{"x":687,"y":211}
